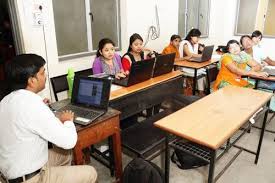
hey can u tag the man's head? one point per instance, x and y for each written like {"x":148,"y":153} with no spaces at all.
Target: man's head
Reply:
{"x":175,"y":40}
{"x":26,"y":71}
{"x":246,"y":42}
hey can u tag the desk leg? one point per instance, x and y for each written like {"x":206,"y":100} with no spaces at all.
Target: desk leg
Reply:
{"x":261,"y":136}
{"x":212,"y":166}
{"x":195,"y":82}
{"x":117,"y":155}
{"x":78,"y":156}
{"x":256,"y":84}
{"x":167,"y":159}
{"x":208,"y":81}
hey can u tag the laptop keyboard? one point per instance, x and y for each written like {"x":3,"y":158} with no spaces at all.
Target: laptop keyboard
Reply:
{"x":81,"y":112}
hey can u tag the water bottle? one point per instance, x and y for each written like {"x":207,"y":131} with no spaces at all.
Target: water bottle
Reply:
{"x":70,"y":80}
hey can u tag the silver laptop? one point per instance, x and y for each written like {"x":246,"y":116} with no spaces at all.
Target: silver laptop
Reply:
{"x":270,"y":70}
{"x":206,"y":55}
{"x":90,"y":99}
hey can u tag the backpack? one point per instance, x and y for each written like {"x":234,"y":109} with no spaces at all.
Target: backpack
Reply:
{"x":186,"y":161}
{"x":140,"y":170}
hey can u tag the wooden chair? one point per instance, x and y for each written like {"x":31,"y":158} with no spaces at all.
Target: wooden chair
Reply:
{"x":59,"y":84}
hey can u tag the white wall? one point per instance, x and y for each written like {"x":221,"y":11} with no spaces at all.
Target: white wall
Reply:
{"x":136,"y":17}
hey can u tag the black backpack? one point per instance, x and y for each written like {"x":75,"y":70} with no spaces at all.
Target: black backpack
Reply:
{"x":140,"y":170}
{"x":186,"y":161}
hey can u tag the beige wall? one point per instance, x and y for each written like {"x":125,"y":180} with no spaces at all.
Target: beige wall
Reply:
{"x":269,"y":28}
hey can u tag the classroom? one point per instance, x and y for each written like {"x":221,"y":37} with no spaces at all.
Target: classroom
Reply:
{"x":148,"y":91}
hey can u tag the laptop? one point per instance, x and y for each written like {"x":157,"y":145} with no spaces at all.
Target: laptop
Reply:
{"x":164,"y":64}
{"x":270,"y":70}
{"x":206,"y":55}
{"x":140,"y":71}
{"x":90,"y":99}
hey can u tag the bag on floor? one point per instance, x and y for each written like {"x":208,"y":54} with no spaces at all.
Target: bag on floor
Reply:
{"x":186,"y":161}
{"x":140,"y":170}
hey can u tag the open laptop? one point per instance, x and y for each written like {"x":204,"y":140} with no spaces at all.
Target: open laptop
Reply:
{"x":206,"y":55}
{"x":90,"y":99}
{"x":140,"y":71}
{"x":270,"y":70}
{"x":164,"y":64}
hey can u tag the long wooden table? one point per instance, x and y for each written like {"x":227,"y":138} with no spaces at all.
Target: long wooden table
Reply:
{"x":136,"y":98}
{"x":196,"y":66}
{"x":211,"y":121}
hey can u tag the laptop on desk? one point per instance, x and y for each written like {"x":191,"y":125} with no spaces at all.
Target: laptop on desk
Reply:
{"x":206,"y":55}
{"x":270,"y":70}
{"x":164,"y":64}
{"x":90,"y":99}
{"x":140,"y":71}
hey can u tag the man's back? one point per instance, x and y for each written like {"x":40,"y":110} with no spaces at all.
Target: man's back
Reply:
{"x":26,"y":126}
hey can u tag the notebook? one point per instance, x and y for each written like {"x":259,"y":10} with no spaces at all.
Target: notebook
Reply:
{"x":140,"y":71}
{"x":90,"y":99}
{"x":270,"y":70}
{"x":206,"y":55}
{"x":164,"y":64}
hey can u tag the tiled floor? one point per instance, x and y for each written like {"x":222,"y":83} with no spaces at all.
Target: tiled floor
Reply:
{"x":243,"y":169}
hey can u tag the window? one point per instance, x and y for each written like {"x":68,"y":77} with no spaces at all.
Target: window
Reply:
{"x":193,"y":14}
{"x":80,"y":24}
{"x":259,"y":16}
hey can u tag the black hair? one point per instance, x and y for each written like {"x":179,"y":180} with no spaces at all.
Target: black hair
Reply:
{"x":244,"y":36}
{"x":193,"y":33}
{"x":229,"y":43}
{"x":102,"y":43}
{"x":175,"y":36}
{"x":21,"y":68}
{"x":134,"y":37}
{"x":257,"y":33}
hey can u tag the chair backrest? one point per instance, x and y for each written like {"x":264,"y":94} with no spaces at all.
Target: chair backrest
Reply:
{"x":60,"y":84}
{"x":86,"y":72}
{"x":213,"y":72}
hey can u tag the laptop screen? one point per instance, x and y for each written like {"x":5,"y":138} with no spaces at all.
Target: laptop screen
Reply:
{"x":91,"y":91}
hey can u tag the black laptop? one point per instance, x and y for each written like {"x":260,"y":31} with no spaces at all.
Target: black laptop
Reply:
{"x":140,"y":71}
{"x":90,"y":99}
{"x":164,"y":64}
{"x":206,"y":55}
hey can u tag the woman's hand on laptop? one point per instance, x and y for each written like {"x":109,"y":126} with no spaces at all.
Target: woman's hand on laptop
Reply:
{"x":120,"y":75}
{"x":66,"y":116}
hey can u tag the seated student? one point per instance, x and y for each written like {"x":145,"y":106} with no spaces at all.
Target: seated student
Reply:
{"x":136,"y":52}
{"x":233,"y":66}
{"x":27,"y":125}
{"x":258,"y":52}
{"x":107,"y":61}
{"x":190,"y":47}
{"x":173,"y":47}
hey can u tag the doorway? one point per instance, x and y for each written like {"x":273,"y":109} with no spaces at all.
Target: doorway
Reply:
{"x":7,"y":46}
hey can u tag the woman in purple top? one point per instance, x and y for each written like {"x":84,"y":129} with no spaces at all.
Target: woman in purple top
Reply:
{"x":107,"y":61}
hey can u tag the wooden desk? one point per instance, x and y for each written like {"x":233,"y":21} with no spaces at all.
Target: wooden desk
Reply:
{"x":136,"y":98}
{"x":212,"y":120}
{"x":105,"y":126}
{"x":196,"y":66}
